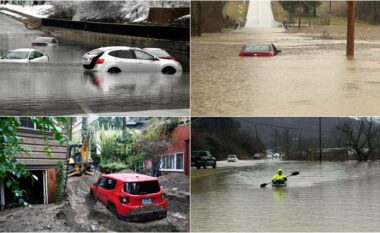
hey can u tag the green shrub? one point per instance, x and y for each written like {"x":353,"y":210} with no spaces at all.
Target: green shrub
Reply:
{"x":60,"y":192}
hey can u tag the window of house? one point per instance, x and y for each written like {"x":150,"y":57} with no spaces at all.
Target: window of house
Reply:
{"x":172,"y":162}
{"x":26,"y":122}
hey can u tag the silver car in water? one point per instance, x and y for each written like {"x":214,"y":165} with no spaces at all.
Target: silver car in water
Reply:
{"x":128,"y":59}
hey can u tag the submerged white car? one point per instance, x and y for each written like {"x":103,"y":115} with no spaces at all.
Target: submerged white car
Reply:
{"x":232,"y":158}
{"x":45,"y":41}
{"x":24,"y":56}
{"x":128,"y":59}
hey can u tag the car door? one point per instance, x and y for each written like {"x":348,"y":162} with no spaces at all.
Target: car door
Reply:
{"x":36,"y":56}
{"x":125,"y":60}
{"x":109,"y":190}
{"x":146,"y":62}
{"x":100,"y":189}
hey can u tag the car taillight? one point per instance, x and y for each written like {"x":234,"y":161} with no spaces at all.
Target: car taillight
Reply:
{"x":241,"y":54}
{"x":100,"y":61}
{"x":124,"y":200}
{"x":164,"y":196}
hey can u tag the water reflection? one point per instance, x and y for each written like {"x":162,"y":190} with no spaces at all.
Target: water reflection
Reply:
{"x":325,"y":196}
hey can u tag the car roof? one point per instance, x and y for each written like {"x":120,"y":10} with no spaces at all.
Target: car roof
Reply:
{"x":259,"y":44}
{"x":45,"y":37}
{"x":117,"y":47}
{"x":153,"y":49}
{"x":130,"y":177}
{"x":24,"y":50}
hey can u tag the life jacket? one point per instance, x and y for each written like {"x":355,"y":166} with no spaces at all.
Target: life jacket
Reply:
{"x":277,"y":176}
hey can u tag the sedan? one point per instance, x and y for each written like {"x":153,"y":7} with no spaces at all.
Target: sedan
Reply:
{"x":259,"y":50}
{"x":45,"y":41}
{"x":24,"y":56}
{"x":128,"y":59}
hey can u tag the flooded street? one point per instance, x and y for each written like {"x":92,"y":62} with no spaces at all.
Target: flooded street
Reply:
{"x":62,"y":87}
{"x":331,"y":196}
{"x":312,"y":75}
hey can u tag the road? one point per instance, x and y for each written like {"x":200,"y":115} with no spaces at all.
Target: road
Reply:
{"x":61,"y":87}
{"x":312,"y":75}
{"x":327,"y":196}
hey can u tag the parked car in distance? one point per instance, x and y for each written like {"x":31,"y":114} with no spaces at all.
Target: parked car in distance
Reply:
{"x":128,"y":59}
{"x":45,"y":41}
{"x":131,"y":197}
{"x":202,"y":159}
{"x":232,"y":158}
{"x":259,"y":50}
{"x":24,"y":56}
{"x":160,"y":53}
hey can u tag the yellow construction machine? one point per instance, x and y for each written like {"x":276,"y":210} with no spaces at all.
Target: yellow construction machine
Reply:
{"x":80,"y":161}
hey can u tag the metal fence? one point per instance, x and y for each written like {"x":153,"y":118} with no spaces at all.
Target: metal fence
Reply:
{"x":148,"y":31}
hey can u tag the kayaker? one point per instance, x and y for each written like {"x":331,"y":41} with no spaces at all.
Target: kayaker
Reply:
{"x":279,"y":177}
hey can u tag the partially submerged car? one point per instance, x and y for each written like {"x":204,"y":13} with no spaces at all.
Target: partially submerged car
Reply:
{"x":131,"y":197}
{"x":45,"y":41}
{"x":202,"y":159}
{"x":232,"y":158}
{"x":24,"y":56}
{"x":259,"y":50}
{"x":128,"y":59}
{"x":160,"y":53}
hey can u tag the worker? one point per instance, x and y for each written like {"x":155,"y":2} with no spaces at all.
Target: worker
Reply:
{"x":279,"y":177}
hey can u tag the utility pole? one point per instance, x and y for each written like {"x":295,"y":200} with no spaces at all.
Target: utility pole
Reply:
{"x":320,"y":138}
{"x":299,"y":14}
{"x":350,"y":29}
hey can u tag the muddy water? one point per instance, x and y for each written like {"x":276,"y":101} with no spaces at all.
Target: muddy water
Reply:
{"x":311,"y":76}
{"x":324,"y":197}
{"x":61,"y":87}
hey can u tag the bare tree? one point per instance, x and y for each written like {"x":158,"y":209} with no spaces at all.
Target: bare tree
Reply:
{"x":361,"y":136}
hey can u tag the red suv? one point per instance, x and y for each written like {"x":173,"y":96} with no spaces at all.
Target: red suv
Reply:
{"x":131,"y":197}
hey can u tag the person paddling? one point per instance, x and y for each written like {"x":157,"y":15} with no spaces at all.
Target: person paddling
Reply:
{"x":279,"y":177}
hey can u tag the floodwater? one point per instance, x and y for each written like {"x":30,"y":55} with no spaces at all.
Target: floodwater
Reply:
{"x":327,"y":196}
{"x":312,"y":76}
{"x":62,"y":87}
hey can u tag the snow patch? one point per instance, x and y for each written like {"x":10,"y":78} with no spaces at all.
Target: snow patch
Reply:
{"x":40,"y":11}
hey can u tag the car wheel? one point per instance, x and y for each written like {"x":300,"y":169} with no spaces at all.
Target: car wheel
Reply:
{"x":113,"y":210}
{"x":169,"y":70}
{"x":204,"y":166}
{"x":214,"y":166}
{"x":198,"y":167}
{"x":114,"y":70}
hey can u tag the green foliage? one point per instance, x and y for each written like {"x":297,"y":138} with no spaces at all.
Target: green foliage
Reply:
{"x":108,"y":166}
{"x":10,"y":167}
{"x":60,"y":184}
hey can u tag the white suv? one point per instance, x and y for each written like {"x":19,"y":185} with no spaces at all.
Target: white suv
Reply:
{"x":118,"y":59}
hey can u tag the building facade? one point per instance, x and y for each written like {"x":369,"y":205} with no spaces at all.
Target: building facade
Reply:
{"x":38,"y":163}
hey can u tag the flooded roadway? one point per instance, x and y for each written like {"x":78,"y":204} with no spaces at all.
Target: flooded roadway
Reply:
{"x":312,"y":75}
{"x":61,"y":87}
{"x":331,"y":196}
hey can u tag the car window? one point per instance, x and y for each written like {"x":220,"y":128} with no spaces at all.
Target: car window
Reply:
{"x":143,"y":55}
{"x":138,"y":188}
{"x":110,"y":184}
{"x":17,"y":55}
{"x":122,"y":54}
{"x":102,"y":182}
{"x":54,"y":41}
{"x":36,"y":54}
{"x":159,"y":53}
{"x":257,"y":48}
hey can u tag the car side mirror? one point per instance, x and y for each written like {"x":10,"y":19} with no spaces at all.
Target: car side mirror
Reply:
{"x":156,"y":59}
{"x":279,"y":51}
{"x":95,"y":184}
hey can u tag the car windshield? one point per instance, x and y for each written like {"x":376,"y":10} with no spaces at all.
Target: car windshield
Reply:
{"x":198,"y":153}
{"x":158,"y":53}
{"x":45,"y":40}
{"x":138,"y":188}
{"x":257,"y":48}
{"x":231,"y":156}
{"x":16,"y":55}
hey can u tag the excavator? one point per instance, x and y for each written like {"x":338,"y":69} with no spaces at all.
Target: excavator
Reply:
{"x":80,"y":161}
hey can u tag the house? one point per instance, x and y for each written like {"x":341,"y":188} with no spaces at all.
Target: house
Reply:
{"x":38,"y":163}
{"x":176,"y":158}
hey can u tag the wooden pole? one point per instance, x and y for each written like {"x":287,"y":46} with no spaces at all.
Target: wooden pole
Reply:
{"x":350,"y":29}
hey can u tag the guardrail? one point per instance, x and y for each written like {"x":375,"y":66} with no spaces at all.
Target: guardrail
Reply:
{"x":148,"y":31}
